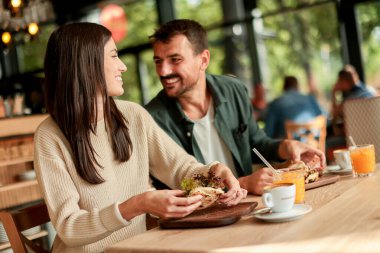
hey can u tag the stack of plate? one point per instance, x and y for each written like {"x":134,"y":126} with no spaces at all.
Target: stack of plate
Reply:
{"x":3,"y":234}
{"x":31,"y":231}
{"x":27,"y":175}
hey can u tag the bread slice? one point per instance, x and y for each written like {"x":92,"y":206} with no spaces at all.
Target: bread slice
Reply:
{"x":210,"y":195}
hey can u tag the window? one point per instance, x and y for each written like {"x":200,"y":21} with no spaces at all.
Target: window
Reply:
{"x":197,"y":9}
{"x":369,"y":20}
{"x":141,"y":22}
{"x":277,"y":5}
{"x":31,"y":53}
{"x":303,"y":43}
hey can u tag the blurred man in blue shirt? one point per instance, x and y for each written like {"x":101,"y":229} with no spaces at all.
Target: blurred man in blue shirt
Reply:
{"x":292,"y":105}
{"x":350,"y":89}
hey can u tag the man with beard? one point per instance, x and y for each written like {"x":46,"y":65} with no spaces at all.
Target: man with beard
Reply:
{"x":211,"y":116}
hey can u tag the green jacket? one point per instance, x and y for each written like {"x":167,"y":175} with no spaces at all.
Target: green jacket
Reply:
{"x":234,"y":122}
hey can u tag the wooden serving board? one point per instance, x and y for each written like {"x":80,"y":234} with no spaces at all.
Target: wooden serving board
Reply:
{"x":215,"y":216}
{"x":323,"y":180}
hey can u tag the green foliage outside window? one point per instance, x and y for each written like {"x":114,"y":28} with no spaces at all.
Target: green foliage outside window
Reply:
{"x":31,"y":53}
{"x":206,"y":12}
{"x":276,"y":5}
{"x":369,"y":20}
{"x":142,"y":19}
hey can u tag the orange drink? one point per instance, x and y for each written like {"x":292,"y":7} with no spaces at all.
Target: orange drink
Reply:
{"x":363,"y":160}
{"x":296,"y":177}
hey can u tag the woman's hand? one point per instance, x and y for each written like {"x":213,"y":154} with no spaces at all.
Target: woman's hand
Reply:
{"x":170,"y":203}
{"x":235,"y":193}
{"x":162,"y":203}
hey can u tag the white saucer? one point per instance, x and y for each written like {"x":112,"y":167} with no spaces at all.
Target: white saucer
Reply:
{"x":298,"y":211}
{"x":336,"y":169}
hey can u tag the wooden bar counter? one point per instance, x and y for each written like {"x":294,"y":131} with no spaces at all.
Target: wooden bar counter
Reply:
{"x":345,"y":218}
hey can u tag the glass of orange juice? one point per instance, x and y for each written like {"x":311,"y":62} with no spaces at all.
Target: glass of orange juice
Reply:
{"x":295,"y":176}
{"x":363,"y":160}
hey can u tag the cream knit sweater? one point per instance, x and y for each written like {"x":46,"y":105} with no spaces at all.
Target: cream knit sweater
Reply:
{"x":86,"y":216}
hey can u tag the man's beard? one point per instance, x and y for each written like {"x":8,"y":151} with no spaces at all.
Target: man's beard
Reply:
{"x":181,"y":90}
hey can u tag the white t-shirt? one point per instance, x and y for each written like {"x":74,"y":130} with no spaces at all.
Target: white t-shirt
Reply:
{"x":211,"y":145}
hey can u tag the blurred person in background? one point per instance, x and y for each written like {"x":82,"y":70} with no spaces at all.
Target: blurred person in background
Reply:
{"x":259,"y":102}
{"x":211,"y":116}
{"x":346,"y":87}
{"x":351,"y":69}
{"x":291,"y":105}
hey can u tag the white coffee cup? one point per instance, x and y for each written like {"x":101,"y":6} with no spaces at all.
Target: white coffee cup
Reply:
{"x":343,"y":159}
{"x":280,"y":197}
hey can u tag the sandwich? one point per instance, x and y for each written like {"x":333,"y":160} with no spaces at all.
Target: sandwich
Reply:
{"x":209,"y":186}
{"x":311,"y":170}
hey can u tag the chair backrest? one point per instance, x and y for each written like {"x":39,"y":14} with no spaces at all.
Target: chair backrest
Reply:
{"x":362,"y":122}
{"x":17,"y":221}
{"x":312,"y":132}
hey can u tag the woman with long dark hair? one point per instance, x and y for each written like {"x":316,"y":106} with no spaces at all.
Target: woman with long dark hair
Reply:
{"x":94,"y":154}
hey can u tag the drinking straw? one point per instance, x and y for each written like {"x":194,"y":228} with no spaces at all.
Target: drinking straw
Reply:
{"x":275,"y":172}
{"x":352,"y":141}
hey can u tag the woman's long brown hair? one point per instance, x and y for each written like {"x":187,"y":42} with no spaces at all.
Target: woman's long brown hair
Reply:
{"x":74,"y":73}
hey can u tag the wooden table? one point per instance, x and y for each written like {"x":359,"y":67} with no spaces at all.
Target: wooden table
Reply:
{"x":345,"y":218}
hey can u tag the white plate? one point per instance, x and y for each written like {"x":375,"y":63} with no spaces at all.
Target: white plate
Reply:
{"x":298,"y":211}
{"x":336,"y":169}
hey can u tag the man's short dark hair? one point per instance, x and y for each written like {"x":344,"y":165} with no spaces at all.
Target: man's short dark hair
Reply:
{"x":346,"y":75}
{"x":290,"y":83}
{"x":193,"y":31}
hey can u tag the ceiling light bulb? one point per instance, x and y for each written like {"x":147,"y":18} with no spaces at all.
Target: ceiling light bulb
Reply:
{"x":6,"y":37}
{"x":33,"y":28}
{"x":16,"y":3}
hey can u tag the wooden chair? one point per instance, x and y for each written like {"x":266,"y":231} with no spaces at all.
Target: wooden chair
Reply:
{"x":17,"y":221}
{"x":312,"y":132}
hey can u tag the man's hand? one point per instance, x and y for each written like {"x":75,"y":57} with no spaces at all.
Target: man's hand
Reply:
{"x":298,"y":151}
{"x":257,"y":181}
